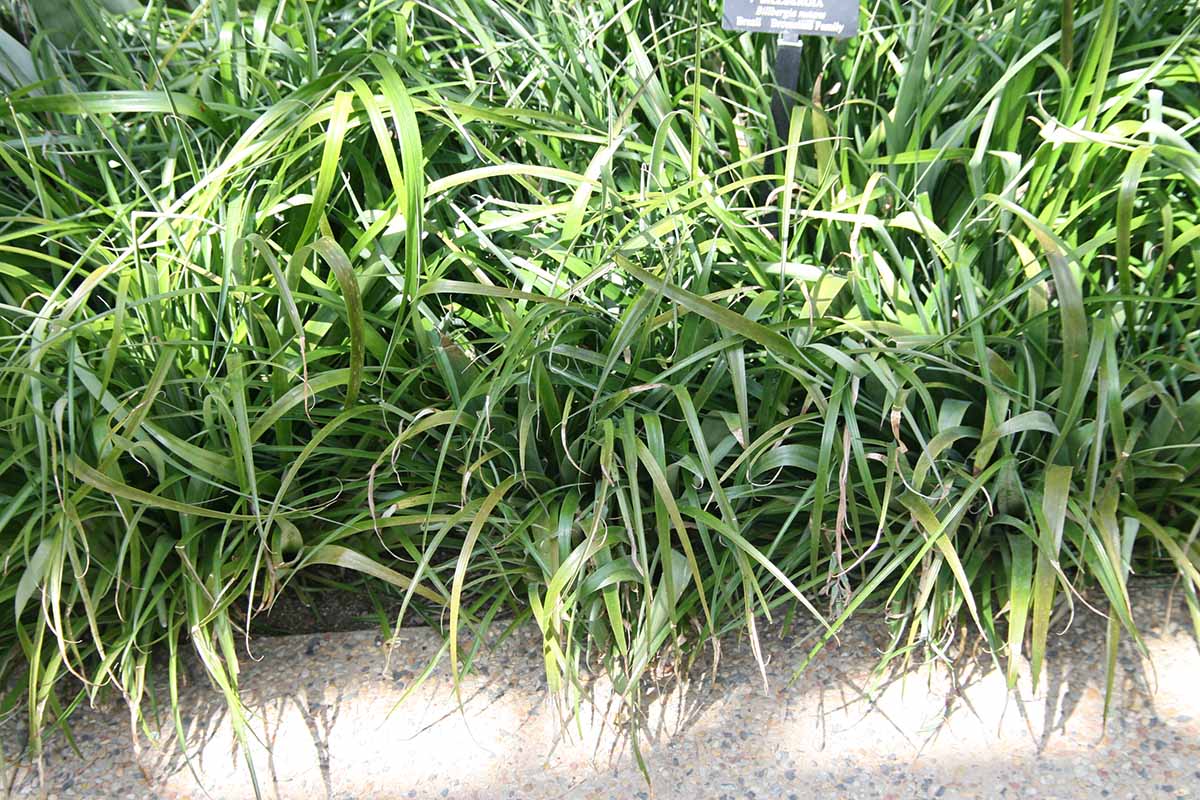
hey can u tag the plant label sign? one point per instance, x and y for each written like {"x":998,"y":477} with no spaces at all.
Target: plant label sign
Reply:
{"x":793,"y":18}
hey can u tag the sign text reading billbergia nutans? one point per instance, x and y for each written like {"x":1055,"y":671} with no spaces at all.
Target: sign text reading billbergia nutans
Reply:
{"x":793,"y":17}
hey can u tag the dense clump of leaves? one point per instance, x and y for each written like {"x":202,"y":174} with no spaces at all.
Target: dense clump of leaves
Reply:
{"x":525,"y":310}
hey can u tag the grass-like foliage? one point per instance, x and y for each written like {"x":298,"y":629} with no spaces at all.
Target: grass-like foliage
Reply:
{"x":524,"y":308}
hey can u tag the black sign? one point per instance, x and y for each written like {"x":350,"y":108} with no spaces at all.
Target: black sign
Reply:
{"x":793,"y":17}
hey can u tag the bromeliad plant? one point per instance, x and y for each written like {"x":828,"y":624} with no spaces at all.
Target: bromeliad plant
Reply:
{"x":522,"y":309}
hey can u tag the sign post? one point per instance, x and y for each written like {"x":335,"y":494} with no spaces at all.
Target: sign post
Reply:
{"x":787,"y":75}
{"x":791,"y":19}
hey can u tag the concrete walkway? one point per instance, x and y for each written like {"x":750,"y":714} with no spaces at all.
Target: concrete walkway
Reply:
{"x":327,"y":725}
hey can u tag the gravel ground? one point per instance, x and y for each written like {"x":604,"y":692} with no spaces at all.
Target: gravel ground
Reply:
{"x":326,"y":722}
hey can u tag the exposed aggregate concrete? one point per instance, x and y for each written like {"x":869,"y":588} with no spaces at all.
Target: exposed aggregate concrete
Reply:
{"x":326,"y":724}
